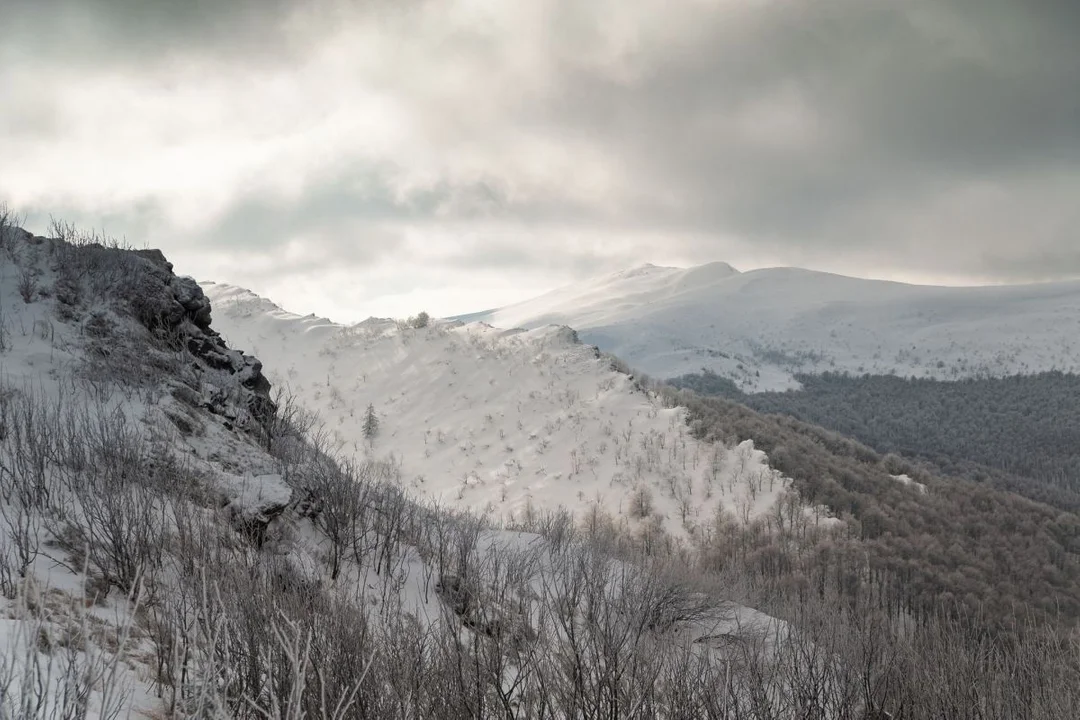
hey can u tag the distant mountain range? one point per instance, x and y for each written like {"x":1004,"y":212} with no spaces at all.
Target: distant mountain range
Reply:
{"x":761,"y":328}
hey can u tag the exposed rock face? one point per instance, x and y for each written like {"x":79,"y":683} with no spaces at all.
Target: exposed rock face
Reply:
{"x":176,"y":311}
{"x":258,"y":503}
{"x":484,"y":615}
{"x":193,"y":323}
{"x":190,"y":296}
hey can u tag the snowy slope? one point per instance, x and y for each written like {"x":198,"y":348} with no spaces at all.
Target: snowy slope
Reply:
{"x":145,"y":519}
{"x":761,"y":327}
{"x":500,"y":421}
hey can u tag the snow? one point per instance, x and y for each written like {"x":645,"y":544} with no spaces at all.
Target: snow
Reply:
{"x":39,"y":639}
{"x":51,"y":622}
{"x":43,"y":356}
{"x":503,"y":422}
{"x":760,"y":328}
{"x":254,"y":495}
{"x":905,"y":480}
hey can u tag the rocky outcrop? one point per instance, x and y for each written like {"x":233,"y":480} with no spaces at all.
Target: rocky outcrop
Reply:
{"x":256,"y":503}
{"x":176,"y":307}
{"x":190,"y":296}
{"x":483,"y":614}
{"x":141,"y":284}
{"x":207,"y":346}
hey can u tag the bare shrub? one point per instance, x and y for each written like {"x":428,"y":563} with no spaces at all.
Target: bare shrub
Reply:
{"x":420,"y":321}
{"x":27,"y":285}
{"x":43,"y":677}
{"x":9,"y":221}
{"x":641,"y":502}
{"x":119,"y":528}
{"x":5,"y":331}
{"x":19,"y":543}
{"x":342,"y":508}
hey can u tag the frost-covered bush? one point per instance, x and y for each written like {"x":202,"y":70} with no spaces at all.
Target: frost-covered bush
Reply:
{"x":641,"y":502}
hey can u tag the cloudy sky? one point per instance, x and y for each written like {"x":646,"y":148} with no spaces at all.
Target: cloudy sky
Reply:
{"x":384,"y":156}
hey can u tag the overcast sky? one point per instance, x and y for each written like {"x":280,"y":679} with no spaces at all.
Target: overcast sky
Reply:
{"x":386,"y":156}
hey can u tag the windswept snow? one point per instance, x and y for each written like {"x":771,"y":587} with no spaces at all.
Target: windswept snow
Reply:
{"x":762,"y":327}
{"x":905,"y":480}
{"x":170,"y":459}
{"x":504,"y":422}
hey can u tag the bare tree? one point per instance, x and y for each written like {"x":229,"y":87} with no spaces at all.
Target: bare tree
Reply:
{"x":28,"y":284}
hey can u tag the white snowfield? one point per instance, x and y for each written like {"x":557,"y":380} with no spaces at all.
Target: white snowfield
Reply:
{"x":761,"y":327}
{"x":503,"y":422}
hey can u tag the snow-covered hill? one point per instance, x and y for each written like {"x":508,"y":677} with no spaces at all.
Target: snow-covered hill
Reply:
{"x":505,"y":422}
{"x":761,"y":327}
{"x":117,"y":401}
{"x":173,"y":545}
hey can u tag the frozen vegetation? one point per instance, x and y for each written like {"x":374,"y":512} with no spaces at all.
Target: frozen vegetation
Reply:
{"x":505,"y":422}
{"x":177,"y":540}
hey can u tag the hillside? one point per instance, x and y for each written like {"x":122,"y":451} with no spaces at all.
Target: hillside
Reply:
{"x":175,"y":543}
{"x":518,"y":423}
{"x":1019,"y":432}
{"x":761,"y":328}
{"x":504,"y":422}
{"x":912,"y":538}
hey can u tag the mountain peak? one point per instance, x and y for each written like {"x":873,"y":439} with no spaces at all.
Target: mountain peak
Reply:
{"x":763,"y":327}
{"x":709,"y":272}
{"x":715,"y":270}
{"x":639,"y":271}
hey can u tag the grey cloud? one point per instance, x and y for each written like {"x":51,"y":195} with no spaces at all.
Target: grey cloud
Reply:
{"x":906,"y":100}
{"x":1047,"y":265}
{"x":119,"y":32}
{"x":807,"y":130}
{"x":347,"y":206}
{"x":558,"y":253}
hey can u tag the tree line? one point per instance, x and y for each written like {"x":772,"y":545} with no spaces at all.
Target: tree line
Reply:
{"x":1019,"y":433}
{"x":962,"y":544}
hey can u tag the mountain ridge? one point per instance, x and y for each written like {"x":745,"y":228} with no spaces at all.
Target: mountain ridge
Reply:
{"x":509,"y":421}
{"x":216,"y":527}
{"x":762,"y":327}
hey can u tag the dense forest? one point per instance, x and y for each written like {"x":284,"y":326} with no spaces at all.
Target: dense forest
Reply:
{"x":960,"y":544}
{"x":1020,"y":433}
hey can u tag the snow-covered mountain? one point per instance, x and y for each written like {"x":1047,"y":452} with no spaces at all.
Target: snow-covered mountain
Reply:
{"x":506,"y":422}
{"x":174,"y":544}
{"x":761,"y":327}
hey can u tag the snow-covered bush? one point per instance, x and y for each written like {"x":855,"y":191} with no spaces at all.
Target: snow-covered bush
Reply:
{"x":641,"y":502}
{"x":420,"y":321}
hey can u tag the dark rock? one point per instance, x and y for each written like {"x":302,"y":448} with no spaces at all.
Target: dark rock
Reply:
{"x":187,"y":395}
{"x":156,"y":257}
{"x":191,"y":297}
{"x":178,"y":307}
{"x":207,"y":349}
{"x":254,"y":526}
{"x":176,"y":312}
{"x":454,"y":592}
{"x":183,"y":424}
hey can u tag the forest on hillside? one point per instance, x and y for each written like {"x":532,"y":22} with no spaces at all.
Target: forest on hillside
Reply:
{"x":961,"y":544}
{"x":1020,"y":433}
